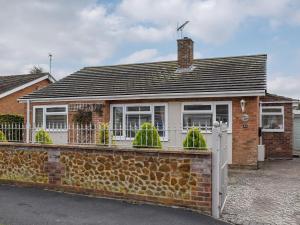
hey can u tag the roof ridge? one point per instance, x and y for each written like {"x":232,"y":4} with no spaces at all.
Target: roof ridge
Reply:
{"x":25,"y":74}
{"x":173,"y":61}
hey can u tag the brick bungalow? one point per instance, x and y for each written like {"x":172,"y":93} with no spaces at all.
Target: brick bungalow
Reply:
{"x":175,"y":95}
{"x":15,"y":86}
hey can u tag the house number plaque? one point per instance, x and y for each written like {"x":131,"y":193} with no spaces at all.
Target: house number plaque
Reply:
{"x":245,"y":119}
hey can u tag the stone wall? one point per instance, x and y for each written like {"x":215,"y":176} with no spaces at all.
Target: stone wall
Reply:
{"x":172,"y":178}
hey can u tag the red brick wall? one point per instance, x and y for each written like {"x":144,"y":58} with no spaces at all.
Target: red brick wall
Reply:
{"x":245,"y":140}
{"x":10,"y":105}
{"x":279,"y":144}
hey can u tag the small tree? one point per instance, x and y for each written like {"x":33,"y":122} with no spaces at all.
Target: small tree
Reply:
{"x":194,"y":140}
{"x":36,"y":70}
{"x":43,"y":137}
{"x":147,"y":137}
{"x":104,"y":134}
{"x":2,"y":137}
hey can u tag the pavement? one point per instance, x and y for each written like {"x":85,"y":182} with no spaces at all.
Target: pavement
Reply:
{"x":270,"y":195}
{"x":31,"y":206}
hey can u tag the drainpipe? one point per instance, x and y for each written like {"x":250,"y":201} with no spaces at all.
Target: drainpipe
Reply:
{"x":28,"y":122}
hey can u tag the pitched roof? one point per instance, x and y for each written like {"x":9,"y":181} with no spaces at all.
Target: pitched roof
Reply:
{"x":228,"y":74}
{"x":8,"y":83}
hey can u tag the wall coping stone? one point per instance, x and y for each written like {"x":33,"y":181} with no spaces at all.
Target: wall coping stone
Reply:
{"x":88,"y":148}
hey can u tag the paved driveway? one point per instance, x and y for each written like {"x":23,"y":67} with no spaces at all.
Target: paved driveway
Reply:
{"x":28,"y":206}
{"x":270,"y":195}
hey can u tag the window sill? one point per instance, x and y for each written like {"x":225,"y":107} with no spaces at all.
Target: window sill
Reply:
{"x":273,"y":131}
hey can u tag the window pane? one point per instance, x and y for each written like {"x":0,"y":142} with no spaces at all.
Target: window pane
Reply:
{"x":222,"y":113}
{"x":138,"y":108}
{"x":145,"y":108}
{"x":270,"y":110}
{"x":272,"y":121}
{"x":197,"y":107}
{"x":56,"y":109}
{"x":159,"y":119}
{"x":132,"y":124}
{"x":118,"y":121}
{"x":38,"y":117}
{"x":202,"y":120}
{"x":133,"y":108}
{"x":56,"y":121}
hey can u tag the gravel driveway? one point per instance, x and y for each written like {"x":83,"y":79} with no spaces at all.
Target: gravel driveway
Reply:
{"x":270,"y":195}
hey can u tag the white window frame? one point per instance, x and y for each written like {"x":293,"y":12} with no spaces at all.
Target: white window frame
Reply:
{"x":272,"y":114}
{"x":151,"y":112}
{"x":45,"y":113}
{"x":213,"y":105}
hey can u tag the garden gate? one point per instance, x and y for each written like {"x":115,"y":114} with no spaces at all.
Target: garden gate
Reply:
{"x":219,"y":168}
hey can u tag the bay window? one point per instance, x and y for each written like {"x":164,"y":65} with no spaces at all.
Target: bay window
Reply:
{"x":127,"y":119}
{"x":272,"y":118}
{"x":50,"y":117}
{"x":203,"y":114}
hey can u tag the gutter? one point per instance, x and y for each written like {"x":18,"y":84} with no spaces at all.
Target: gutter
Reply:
{"x":154,"y":96}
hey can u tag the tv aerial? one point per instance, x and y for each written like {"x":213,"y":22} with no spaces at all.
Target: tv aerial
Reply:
{"x":181,"y":27}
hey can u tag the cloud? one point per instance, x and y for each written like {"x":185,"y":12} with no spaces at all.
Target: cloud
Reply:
{"x":285,"y":85}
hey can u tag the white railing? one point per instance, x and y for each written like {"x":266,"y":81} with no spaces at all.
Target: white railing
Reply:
{"x":101,"y":134}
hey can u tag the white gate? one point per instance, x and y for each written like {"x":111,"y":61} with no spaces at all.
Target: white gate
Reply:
{"x":219,"y":168}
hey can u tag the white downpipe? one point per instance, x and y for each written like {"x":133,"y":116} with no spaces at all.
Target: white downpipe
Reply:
{"x":28,"y":122}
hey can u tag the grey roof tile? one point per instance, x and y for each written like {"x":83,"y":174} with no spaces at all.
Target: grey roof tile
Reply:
{"x":241,"y":73}
{"x":10,"y":82}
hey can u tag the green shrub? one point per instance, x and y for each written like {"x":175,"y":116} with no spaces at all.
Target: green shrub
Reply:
{"x":2,"y":137}
{"x":147,"y":137}
{"x":103,"y":134}
{"x":194,"y":140}
{"x":43,"y":137}
{"x":11,"y":126}
{"x":7,"y":118}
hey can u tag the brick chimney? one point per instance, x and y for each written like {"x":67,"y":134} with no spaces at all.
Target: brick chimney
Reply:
{"x":185,"y":53}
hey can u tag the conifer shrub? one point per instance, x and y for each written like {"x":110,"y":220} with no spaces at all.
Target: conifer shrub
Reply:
{"x":147,"y":137}
{"x":194,"y":140}
{"x":43,"y":137}
{"x":2,"y":137}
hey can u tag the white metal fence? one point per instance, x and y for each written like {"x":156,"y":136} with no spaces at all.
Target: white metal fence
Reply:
{"x":100,"y":134}
{"x":219,"y":168}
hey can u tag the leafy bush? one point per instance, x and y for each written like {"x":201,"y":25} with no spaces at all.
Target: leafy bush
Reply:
{"x":11,"y":126}
{"x":2,"y":137}
{"x":83,"y":117}
{"x":147,"y":137}
{"x":104,"y":134}
{"x":7,"y":118}
{"x":43,"y":137}
{"x":194,"y":140}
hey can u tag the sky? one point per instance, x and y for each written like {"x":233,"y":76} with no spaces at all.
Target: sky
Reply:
{"x":94,"y":33}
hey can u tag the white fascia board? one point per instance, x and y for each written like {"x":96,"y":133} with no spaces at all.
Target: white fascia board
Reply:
{"x":25,"y":86}
{"x":155,"y":96}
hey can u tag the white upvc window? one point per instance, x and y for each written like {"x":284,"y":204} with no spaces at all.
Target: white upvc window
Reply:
{"x":127,"y":118}
{"x":272,"y":118}
{"x":52,"y":117}
{"x":203,"y":114}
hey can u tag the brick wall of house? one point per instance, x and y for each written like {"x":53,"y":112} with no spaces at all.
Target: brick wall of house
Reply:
{"x":279,"y":144}
{"x":245,"y":139}
{"x":171,"y":178}
{"x":10,"y":104}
